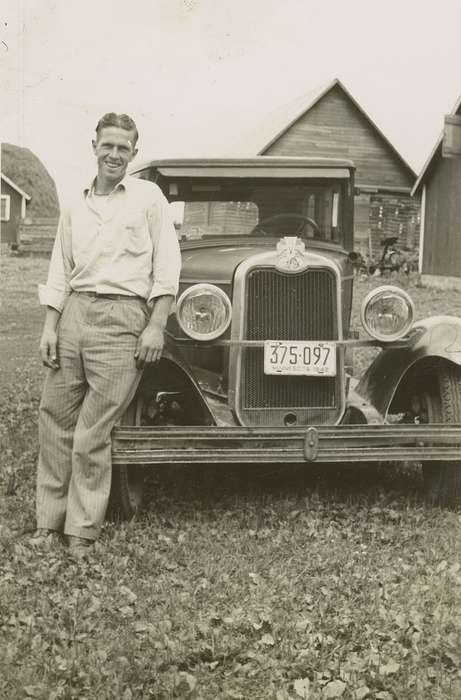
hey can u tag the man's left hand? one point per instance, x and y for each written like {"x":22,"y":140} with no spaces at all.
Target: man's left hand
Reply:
{"x":150,"y":345}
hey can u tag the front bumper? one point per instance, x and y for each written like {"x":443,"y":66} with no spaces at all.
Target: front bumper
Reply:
{"x":339,"y":443}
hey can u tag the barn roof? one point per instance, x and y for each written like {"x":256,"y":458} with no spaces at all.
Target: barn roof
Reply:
{"x":435,"y":153}
{"x":15,"y":186}
{"x":282,"y":119}
{"x":28,"y":173}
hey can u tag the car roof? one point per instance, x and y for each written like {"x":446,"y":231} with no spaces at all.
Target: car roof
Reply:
{"x":282,"y":165}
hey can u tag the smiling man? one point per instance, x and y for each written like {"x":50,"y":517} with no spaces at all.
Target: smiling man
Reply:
{"x":113,"y":276}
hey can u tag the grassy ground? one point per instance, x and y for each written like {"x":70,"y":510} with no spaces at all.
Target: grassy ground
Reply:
{"x":233,"y":583}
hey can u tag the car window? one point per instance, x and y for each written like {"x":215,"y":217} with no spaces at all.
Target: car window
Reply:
{"x":204,"y":219}
{"x":262,"y":209}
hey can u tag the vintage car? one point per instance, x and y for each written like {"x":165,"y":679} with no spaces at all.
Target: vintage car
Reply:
{"x":257,"y":361}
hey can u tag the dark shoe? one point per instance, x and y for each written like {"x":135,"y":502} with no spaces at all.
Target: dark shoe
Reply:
{"x":79,"y":546}
{"x":44,"y":537}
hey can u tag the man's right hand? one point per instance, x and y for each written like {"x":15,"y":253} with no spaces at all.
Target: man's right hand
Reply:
{"x":49,"y":339}
{"x":49,"y":348}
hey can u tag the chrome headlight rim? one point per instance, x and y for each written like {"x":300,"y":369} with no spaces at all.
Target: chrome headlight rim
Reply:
{"x":398,"y":292}
{"x":204,"y":287}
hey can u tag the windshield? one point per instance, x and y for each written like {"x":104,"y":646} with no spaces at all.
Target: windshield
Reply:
{"x":215,"y":209}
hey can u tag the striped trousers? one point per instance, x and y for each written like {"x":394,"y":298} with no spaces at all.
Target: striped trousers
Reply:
{"x":81,"y":403}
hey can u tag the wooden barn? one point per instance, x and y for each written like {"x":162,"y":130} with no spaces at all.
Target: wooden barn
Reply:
{"x":331,"y":123}
{"x":439,"y":185}
{"x":13,"y":209}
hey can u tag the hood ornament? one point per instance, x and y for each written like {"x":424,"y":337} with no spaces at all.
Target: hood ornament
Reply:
{"x":291,"y":254}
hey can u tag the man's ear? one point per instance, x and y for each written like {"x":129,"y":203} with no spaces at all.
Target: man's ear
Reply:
{"x":93,"y":143}
{"x":135,"y":152}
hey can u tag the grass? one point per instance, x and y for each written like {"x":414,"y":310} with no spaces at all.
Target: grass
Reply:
{"x":234,"y":582}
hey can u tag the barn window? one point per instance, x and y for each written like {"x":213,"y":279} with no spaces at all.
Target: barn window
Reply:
{"x":5,"y":207}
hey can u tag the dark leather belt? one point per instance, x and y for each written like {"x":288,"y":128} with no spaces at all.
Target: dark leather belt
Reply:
{"x":115,"y":297}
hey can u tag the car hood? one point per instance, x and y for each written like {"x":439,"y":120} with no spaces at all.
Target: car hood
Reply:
{"x":216,"y":263}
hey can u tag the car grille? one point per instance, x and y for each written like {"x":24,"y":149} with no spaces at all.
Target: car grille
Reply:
{"x":281,"y":306}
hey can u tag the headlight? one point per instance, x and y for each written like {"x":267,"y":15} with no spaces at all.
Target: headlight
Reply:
{"x":387,"y":313}
{"x":204,"y":311}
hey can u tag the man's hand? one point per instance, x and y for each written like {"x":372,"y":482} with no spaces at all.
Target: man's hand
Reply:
{"x":150,"y":345}
{"x":151,"y":341}
{"x":49,"y":339}
{"x":49,"y":348}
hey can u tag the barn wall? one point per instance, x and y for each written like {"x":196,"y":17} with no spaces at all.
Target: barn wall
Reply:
{"x":10,"y":229}
{"x":335,"y":128}
{"x":37,"y":235}
{"x":395,"y":215}
{"x":442,"y":227}
{"x":380,"y":216}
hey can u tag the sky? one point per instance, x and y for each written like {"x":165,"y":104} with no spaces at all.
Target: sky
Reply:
{"x":198,"y":76}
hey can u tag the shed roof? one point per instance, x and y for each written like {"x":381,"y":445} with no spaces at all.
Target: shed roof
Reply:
{"x":435,"y":153}
{"x":281,"y":119}
{"x":15,"y":186}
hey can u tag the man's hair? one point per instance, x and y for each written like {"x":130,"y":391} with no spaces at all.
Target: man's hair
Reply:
{"x":123,"y":121}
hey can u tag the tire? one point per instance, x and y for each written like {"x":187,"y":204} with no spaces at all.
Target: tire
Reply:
{"x":441,"y":403}
{"x":127,"y":487}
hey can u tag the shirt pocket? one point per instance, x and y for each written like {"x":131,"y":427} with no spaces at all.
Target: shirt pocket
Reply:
{"x":136,"y":236}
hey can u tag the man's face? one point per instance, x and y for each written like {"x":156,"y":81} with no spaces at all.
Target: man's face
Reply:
{"x":114,"y":149}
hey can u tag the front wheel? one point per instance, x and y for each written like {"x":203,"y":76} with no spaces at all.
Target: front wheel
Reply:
{"x":128,"y":480}
{"x":438,"y":400}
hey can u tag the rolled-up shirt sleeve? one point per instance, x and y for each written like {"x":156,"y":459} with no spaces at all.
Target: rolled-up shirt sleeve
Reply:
{"x":56,"y":290}
{"x":166,"y":257}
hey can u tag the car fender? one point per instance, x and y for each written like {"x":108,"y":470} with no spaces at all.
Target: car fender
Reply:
{"x":438,"y":336}
{"x":173,"y":373}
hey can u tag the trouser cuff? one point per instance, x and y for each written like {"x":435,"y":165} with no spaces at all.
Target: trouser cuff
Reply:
{"x":85,"y":532}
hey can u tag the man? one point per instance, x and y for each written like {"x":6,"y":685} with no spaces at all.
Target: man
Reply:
{"x":112,"y":279}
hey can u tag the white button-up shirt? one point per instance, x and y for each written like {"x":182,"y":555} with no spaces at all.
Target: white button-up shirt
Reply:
{"x":128,"y":246}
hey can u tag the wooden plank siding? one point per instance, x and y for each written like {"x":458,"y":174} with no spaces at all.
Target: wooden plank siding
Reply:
{"x":10,"y":228}
{"x":37,"y":235}
{"x":335,"y":127}
{"x":442,"y":225}
{"x":439,"y":184}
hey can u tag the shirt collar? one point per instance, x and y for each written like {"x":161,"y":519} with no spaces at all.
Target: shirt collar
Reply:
{"x":122,"y":185}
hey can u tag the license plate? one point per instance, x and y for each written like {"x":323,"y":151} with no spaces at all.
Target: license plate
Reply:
{"x":299,"y":357}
